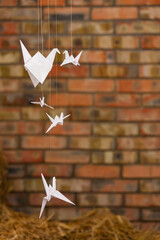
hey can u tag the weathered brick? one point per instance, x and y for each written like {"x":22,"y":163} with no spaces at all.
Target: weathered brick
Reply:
{"x":78,"y":42}
{"x":150,"y":71}
{"x":150,"y":13}
{"x":70,"y":99}
{"x":141,"y":171}
{"x":42,"y":3}
{"x":43,"y":142}
{"x":64,"y":213}
{"x":24,"y":156}
{"x":117,"y":100}
{"x":8,"y":3}
{"x":131,"y":213}
{"x":150,"y":157}
{"x":16,"y":171}
{"x":116,"y":42}
{"x":99,"y":171}
{"x":9,"y":85}
{"x":33,"y":185}
{"x":18,"y":14}
{"x":114,"y":13}
{"x":9,"y":57}
{"x":71,"y":128}
{"x":74,"y":185}
{"x":119,"y":157}
{"x":150,"y":42}
{"x":115,"y":129}
{"x":71,"y":71}
{"x":67,"y":157}
{"x":12,"y":71}
{"x":150,"y":185}
{"x":92,"y":28}
{"x":93,"y":199}
{"x":8,"y":142}
{"x":115,"y":71}
{"x":151,"y":100}
{"x":17,"y":185}
{"x":136,"y":85}
{"x":151,"y":215}
{"x":150,"y":129}
{"x":92,"y":3}
{"x":97,"y":57}
{"x":142,"y":200}
{"x":96,"y":114}
{"x":138,"y":143}
{"x":10,"y":114}
{"x":114,"y":185}
{"x":138,"y":27}
{"x":49,"y":170}
{"x":16,"y":199}
{"x":137,"y":2}
{"x":91,"y":85}
{"x":64,"y":14}
{"x":138,"y":57}
{"x":143,"y":114}
{"x":91,"y":143}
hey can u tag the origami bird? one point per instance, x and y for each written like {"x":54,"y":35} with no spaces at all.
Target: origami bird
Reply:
{"x":71,"y":59}
{"x":42,"y":103}
{"x":38,"y":67}
{"x":51,"y":192}
{"x":56,"y":120}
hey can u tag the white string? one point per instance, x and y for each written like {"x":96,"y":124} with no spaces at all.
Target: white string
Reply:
{"x":38,"y":24}
{"x":42,"y":38}
{"x":56,"y":57}
{"x":71,"y":26}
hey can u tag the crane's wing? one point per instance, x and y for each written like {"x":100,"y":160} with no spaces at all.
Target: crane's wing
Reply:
{"x":51,"y":119}
{"x":45,"y":184}
{"x":54,"y":183}
{"x":35,"y":102}
{"x":78,"y":56}
{"x":66,"y":116}
{"x":48,"y":106}
{"x":52,"y":125}
{"x":44,"y":202}
{"x":25,"y":53}
{"x":59,"y":195}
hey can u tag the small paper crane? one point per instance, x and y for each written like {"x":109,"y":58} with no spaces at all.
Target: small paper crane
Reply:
{"x":71,"y":59}
{"x":38,"y":67}
{"x":56,"y":120}
{"x":50,"y":193}
{"x":42,"y":103}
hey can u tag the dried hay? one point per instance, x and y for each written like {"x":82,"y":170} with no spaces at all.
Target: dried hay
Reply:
{"x":95,"y":225}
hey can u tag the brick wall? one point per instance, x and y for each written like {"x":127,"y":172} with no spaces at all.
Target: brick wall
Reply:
{"x":107,"y":153}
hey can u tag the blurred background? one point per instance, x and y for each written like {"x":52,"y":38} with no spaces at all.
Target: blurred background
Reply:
{"x":107,"y":153}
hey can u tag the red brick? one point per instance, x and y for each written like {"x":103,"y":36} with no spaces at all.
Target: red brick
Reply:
{"x":150,"y":13}
{"x":43,"y":142}
{"x":141,"y":171}
{"x":24,"y":156}
{"x":8,"y":85}
{"x":150,"y":129}
{"x":121,"y":100}
{"x":8,"y":3}
{"x":9,"y":28}
{"x":71,"y":128}
{"x":70,"y":71}
{"x":139,"y":143}
{"x":70,"y":99}
{"x":35,"y":199}
{"x":150,"y":42}
{"x":136,"y":85}
{"x":142,"y":200}
{"x":138,"y":2}
{"x":143,"y":114}
{"x":91,"y":85}
{"x":49,"y":170}
{"x":43,"y":3}
{"x":94,"y":57}
{"x":67,"y":157}
{"x":91,"y":143}
{"x":114,"y":185}
{"x":99,"y":199}
{"x":114,"y":13}
{"x":150,"y":157}
{"x":100,"y":171}
{"x":151,"y":100}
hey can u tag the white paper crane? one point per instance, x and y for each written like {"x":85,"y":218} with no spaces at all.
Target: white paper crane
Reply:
{"x":42,"y":103}
{"x":38,"y":67}
{"x":56,"y":120}
{"x":71,"y":59}
{"x":51,"y":192}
